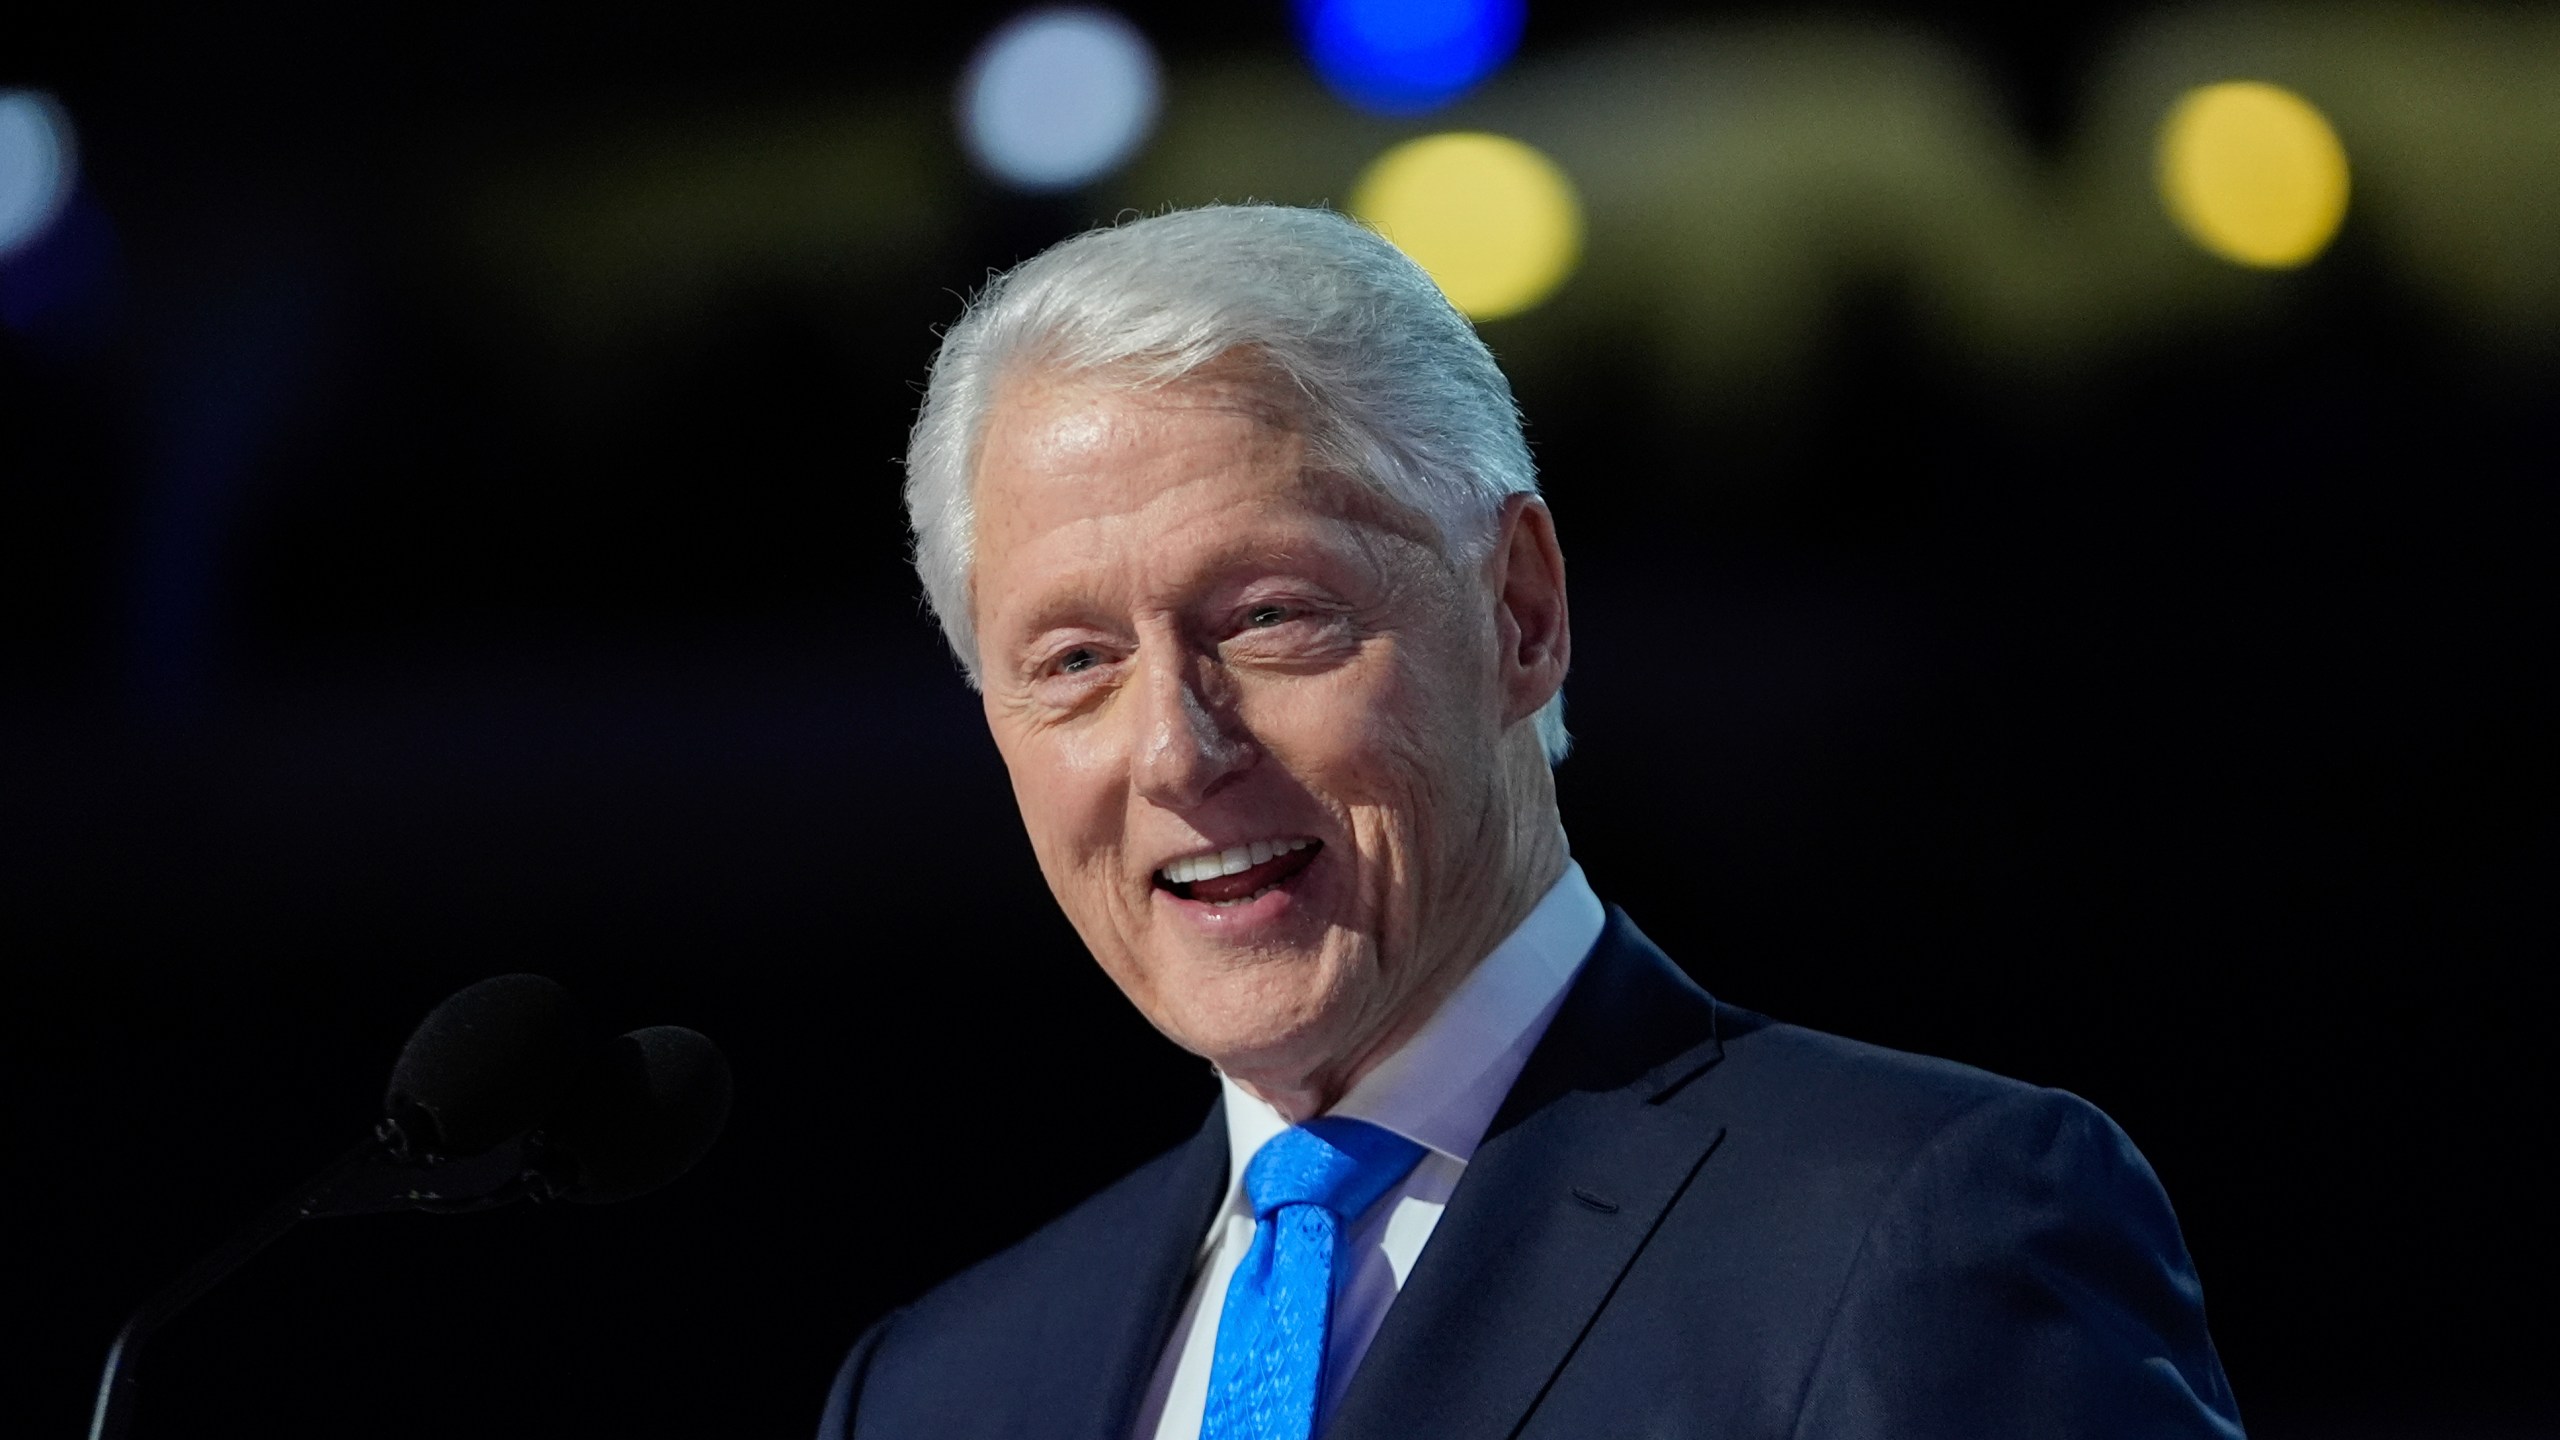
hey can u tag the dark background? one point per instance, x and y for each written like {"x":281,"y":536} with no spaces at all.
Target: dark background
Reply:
{"x":2177,"y":737}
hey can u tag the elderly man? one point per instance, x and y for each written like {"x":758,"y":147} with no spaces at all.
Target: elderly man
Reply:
{"x":1228,"y":515}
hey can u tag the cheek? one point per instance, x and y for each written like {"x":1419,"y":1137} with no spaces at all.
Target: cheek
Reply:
{"x":1414,"y":753}
{"x":1384,"y":748}
{"x":1395,"y":734}
{"x":1068,"y":789}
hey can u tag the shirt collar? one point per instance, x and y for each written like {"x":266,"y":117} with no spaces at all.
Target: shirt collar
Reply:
{"x":1440,"y":1088}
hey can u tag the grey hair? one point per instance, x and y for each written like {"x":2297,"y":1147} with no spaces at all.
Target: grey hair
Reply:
{"x":1398,"y":389}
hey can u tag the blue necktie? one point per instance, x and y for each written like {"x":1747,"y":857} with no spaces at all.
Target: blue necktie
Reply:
{"x":1308,"y":1185}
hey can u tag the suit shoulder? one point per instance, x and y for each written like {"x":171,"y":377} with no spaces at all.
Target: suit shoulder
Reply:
{"x":1092,"y":1234}
{"x":1827,"y":1143}
{"x":1853,"y":1099}
{"x":1017,"y":1302}
{"x":1817,"y":1086}
{"x":1042,"y":1312}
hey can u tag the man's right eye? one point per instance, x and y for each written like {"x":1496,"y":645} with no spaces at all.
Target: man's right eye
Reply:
{"x":1078,"y":659}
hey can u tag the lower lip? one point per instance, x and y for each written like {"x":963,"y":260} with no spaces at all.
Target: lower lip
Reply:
{"x":1244,"y":917}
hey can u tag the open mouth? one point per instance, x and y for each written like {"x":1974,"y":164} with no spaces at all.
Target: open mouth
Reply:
{"x":1238,"y":875}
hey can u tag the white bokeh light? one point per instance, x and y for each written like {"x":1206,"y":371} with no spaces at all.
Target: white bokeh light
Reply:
{"x":35,"y":165}
{"x":1056,"y":98}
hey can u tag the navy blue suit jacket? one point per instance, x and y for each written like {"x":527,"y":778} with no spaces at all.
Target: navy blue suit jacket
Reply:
{"x":1686,"y":1220}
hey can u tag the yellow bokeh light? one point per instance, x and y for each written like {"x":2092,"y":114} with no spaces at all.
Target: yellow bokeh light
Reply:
{"x":1495,"y":222}
{"x":2253,"y":173}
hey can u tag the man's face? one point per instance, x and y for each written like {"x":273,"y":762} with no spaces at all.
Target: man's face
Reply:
{"x":1191,"y":646}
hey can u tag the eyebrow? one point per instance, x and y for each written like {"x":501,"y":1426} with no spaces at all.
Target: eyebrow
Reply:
{"x":1076,"y":600}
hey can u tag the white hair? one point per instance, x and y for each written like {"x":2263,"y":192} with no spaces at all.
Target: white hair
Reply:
{"x":1398,"y":390}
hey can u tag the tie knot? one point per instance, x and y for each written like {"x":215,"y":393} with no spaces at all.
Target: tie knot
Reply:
{"x":1343,"y":1165}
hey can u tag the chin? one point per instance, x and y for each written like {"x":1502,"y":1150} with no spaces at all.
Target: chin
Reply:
{"x":1277,"y":1017}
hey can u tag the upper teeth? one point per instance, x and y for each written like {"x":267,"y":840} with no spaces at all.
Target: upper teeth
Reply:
{"x":1228,"y":862}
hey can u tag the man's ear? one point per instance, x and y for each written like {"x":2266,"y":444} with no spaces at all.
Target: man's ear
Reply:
{"x":1531,"y":626}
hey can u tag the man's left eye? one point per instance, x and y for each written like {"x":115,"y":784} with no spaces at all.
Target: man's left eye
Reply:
{"x":1262,"y":617}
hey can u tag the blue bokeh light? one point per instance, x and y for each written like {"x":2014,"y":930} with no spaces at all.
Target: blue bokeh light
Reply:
{"x":36,"y":166}
{"x":1059,"y":97}
{"x":1403,"y":57}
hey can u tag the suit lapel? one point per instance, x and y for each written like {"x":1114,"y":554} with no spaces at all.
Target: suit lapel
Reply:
{"x":1572,"y":1177}
{"x":1106,"y":1328}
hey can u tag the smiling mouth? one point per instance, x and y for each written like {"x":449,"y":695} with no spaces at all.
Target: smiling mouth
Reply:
{"x":1233,"y":877}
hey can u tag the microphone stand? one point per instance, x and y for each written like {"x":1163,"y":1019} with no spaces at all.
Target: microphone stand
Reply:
{"x":380,"y":1174}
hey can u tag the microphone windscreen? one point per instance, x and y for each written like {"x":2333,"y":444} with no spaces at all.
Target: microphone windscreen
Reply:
{"x":646,"y":1110}
{"x":486,"y":1065}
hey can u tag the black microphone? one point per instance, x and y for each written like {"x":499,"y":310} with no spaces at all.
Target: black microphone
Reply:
{"x":646,"y":1110}
{"x":499,"y":1095}
{"x":485,"y":1066}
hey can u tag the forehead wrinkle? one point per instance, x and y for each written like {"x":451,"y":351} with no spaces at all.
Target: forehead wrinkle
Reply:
{"x":1089,"y":448}
{"x":1228,"y":387}
{"x":1098,"y":476}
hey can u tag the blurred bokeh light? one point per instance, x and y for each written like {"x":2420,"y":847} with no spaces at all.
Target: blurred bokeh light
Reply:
{"x":1402,"y":57}
{"x":1057,"y":98}
{"x":1493,"y":220}
{"x":36,"y":166}
{"x":2253,"y":173}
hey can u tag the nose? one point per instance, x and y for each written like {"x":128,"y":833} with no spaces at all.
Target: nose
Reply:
{"x":1188,"y":743}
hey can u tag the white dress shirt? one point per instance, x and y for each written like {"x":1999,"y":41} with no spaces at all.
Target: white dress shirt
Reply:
{"x":1439,"y":1089}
